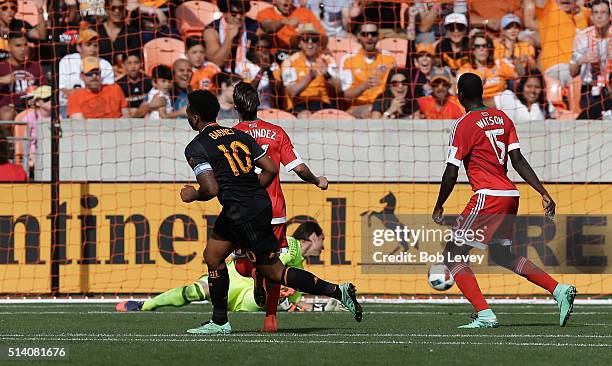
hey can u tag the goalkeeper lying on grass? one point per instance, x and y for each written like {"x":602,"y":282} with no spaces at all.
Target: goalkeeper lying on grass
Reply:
{"x":240,"y":297}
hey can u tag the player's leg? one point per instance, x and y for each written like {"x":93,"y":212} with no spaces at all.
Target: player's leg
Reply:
{"x":466,"y":281}
{"x":305,"y":281}
{"x":217,"y":249}
{"x":563,"y":294}
{"x":471,"y":219}
{"x":176,"y":297}
{"x":272,"y":289}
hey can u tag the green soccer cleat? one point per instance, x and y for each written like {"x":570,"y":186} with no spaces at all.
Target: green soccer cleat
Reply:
{"x":564,"y":295}
{"x":484,"y":319}
{"x":349,"y":300}
{"x":211,"y":328}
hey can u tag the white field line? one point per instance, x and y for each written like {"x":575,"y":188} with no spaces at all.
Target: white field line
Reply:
{"x":299,"y":335}
{"x":302,"y":341}
{"x":528,"y":301}
{"x":101,"y":312}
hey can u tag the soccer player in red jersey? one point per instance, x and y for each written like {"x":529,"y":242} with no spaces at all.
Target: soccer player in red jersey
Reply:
{"x":482,"y":140}
{"x":277,"y":144}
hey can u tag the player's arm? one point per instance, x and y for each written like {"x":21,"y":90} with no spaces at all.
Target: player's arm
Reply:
{"x":208,"y":188}
{"x":449,"y":179}
{"x":523,"y":168}
{"x":303,"y":171}
{"x":268,"y":170}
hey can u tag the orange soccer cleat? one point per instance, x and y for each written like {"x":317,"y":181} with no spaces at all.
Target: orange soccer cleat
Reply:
{"x":270,"y":325}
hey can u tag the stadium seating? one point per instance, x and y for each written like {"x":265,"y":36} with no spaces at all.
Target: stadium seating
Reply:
{"x":341,"y":46}
{"x":275,"y":114}
{"x":162,"y":51}
{"x":334,"y":114}
{"x":396,"y":46}
{"x":256,"y":7}
{"x":194,"y":16}
{"x":27,"y":10}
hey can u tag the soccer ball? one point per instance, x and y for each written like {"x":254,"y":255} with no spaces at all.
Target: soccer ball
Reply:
{"x":440,"y":278}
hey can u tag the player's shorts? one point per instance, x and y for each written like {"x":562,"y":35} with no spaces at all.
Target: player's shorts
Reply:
{"x":255,"y":237}
{"x":486,"y":219}
{"x":280,"y":231}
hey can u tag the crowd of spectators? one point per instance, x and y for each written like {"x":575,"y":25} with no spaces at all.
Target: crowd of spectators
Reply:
{"x":538,"y":58}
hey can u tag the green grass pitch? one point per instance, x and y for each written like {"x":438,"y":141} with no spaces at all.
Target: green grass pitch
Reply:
{"x":422,"y":334}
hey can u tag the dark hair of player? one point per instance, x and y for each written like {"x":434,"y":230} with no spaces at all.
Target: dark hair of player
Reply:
{"x":204,"y":104}
{"x":246,"y":101}
{"x":161,"y":72}
{"x":306,"y":229}
{"x":4,"y":148}
{"x":469,"y":87}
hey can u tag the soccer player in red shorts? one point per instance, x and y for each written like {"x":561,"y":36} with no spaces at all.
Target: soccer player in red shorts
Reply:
{"x":482,"y":140}
{"x":277,"y":144}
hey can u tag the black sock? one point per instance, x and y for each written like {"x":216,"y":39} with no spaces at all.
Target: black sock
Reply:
{"x":218,"y":285}
{"x":307,"y":282}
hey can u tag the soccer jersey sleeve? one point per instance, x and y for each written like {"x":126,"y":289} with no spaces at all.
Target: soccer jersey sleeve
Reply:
{"x":459,"y":144}
{"x":197,"y":158}
{"x":513,"y":140}
{"x":288,"y":156}
{"x":257,"y":152}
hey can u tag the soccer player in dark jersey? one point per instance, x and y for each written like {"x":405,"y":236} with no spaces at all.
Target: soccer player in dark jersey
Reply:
{"x":224,"y":161}
{"x":483,"y":140}
{"x":278,"y":146}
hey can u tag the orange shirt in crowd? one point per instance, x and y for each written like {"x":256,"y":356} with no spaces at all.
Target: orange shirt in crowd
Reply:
{"x":10,"y":172}
{"x":105,"y":104}
{"x":284,"y":34}
{"x":428,"y":108}
{"x":493,"y":78}
{"x":521,"y":49}
{"x":295,"y":68}
{"x":557,"y":31}
{"x":356,"y":68}
{"x":203,"y":78}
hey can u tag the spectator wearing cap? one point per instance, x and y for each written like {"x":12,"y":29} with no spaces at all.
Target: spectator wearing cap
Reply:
{"x":17,"y":75}
{"x":224,"y":84}
{"x":558,"y":22}
{"x":281,"y":22}
{"x":9,"y":172}
{"x":39,"y":112}
{"x":364,"y":73}
{"x":117,"y":39}
{"x":203,"y":70}
{"x":494,"y":73}
{"x":96,"y":100}
{"x":529,"y":102}
{"x":453,"y":50}
{"x":419,"y":74}
{"x":509,"y":48}
{"x":592,"y":56}
{"x":228,"y":38}
{"x":396,"y":102}
{"x":310,"y":77}
{"x":263,"y":72}
{"x":8,"y":24}
{"x":440,"y":104}
{"x":70,"y":66}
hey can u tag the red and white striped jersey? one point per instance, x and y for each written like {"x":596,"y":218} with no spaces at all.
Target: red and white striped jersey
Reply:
{"x":277,"y":144}
{"x":481,"y":139}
